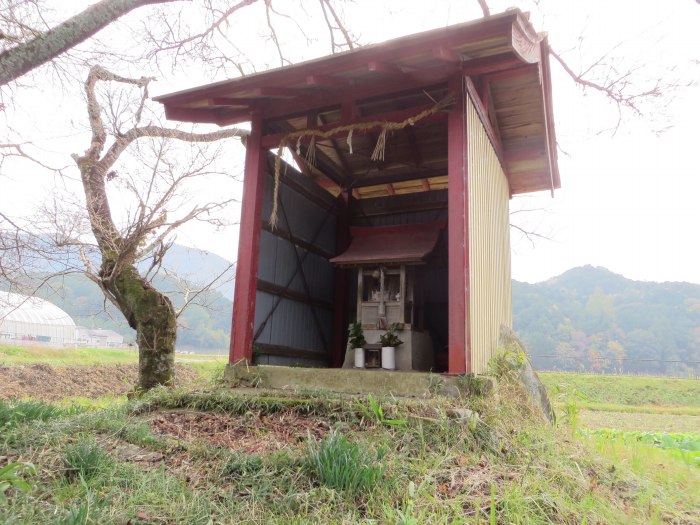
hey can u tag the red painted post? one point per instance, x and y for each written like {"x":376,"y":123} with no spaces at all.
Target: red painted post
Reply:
{"x":241,"y":348}
{"x":340,"y":321}
{"x":457,"y":227}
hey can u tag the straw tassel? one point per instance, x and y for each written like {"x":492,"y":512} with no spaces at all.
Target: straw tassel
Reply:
{"x":378,"y":153}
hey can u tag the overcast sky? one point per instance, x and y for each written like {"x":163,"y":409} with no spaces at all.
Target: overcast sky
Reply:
{"x":628,"y":200}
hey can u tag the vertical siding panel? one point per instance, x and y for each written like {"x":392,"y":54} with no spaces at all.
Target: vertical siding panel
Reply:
{"x":490,"y":303}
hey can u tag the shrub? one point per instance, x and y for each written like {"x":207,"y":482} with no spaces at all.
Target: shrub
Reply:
{"x":345,"y":466}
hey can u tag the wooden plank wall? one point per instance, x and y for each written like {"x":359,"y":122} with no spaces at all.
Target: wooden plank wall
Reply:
{"x":490,"y":303}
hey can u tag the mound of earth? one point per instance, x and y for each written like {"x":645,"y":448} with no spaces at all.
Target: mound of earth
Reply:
{"x":53,"y":383}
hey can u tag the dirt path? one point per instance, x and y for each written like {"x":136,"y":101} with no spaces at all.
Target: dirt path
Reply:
{"x":52,"y":383}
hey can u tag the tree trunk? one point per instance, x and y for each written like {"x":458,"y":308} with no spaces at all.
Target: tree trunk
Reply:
{"x":152,"y":315}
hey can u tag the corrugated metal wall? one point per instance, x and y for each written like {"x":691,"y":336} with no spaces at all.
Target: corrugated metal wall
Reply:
{"x":294,"y":302}
{"x":490,"y":303}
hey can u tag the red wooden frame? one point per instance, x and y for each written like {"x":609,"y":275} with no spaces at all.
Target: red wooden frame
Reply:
{"x":459,"y":358}
{"x":241,"y":349}
{"x":340,"y":275}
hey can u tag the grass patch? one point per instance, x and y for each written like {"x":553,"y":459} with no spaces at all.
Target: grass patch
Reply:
{"x":13,"y":413}
{"x":84,"y":460}
{"x":628,"y":390}
{"x":345,"y":466}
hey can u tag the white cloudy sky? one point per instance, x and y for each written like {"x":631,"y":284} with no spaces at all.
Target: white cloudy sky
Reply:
{"x":628,"y":201}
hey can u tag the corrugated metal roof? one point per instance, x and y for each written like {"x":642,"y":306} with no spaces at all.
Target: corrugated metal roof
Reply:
{"x":407,"y":243}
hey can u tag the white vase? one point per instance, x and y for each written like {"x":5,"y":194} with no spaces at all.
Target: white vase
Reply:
{"x":359,"y":357}
{"x":389,"y":357}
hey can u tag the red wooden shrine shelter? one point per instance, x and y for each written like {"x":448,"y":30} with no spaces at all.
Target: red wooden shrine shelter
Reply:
{"x":442,"y":126}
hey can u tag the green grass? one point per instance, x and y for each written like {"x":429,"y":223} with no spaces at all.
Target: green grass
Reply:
{"x":345,"y":466}
{"x":628,"y":390}
{"x":28,"y":355}
{"x":505,"y":468}
{"x":14,"y":413}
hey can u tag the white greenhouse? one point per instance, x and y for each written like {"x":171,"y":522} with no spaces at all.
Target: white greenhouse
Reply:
{"x":32,"y":320}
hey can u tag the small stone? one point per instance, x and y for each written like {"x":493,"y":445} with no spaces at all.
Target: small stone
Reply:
{"x":450,"y":391}
{"x":462,"y":414}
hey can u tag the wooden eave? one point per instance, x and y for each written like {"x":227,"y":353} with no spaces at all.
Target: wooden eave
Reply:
{"x":501,"y":54}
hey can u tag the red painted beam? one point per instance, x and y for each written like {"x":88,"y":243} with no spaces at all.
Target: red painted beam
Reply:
{"x":380,"y":86}
{"x":220,"y":116}
{"x":241,"y":348}
{"x":459,"y":360}
{"x":277,"y":92}
{"x":198,"y":115}
{"x":446,"y":54}
{"x":376,"y":66}
{"x":328,"y":80}
{"x":243,"y":102}
{"x":340,"y":320}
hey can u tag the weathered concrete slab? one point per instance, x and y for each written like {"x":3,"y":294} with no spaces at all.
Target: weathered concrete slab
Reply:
{"x":355,"y":381}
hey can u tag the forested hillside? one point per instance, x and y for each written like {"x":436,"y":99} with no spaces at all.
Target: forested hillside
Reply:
{"x":592,"y":319}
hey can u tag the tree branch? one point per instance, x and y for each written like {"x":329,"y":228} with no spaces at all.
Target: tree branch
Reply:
{"x":22,"y":58}
{"x":484,"y":7}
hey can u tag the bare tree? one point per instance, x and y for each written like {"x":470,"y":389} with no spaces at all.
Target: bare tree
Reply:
{"x":103,"y":235}
{"x":146,"y":230}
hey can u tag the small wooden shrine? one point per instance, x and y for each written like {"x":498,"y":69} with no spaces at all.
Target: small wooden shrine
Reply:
{"x":388,"y":263}
{"x":393,"y":207}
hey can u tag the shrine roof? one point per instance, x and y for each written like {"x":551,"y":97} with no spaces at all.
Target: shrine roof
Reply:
{"x":406,"y":243}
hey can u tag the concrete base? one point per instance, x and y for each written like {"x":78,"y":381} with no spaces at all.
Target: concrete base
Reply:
{"x":416,"y":352}
{"x":356,"y":381}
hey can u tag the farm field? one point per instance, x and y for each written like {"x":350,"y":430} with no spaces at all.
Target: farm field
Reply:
{"x":635,"y":403}
{"x":27,"y":355}
{"x":205,"y":454}
{"x":79,"y":374}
